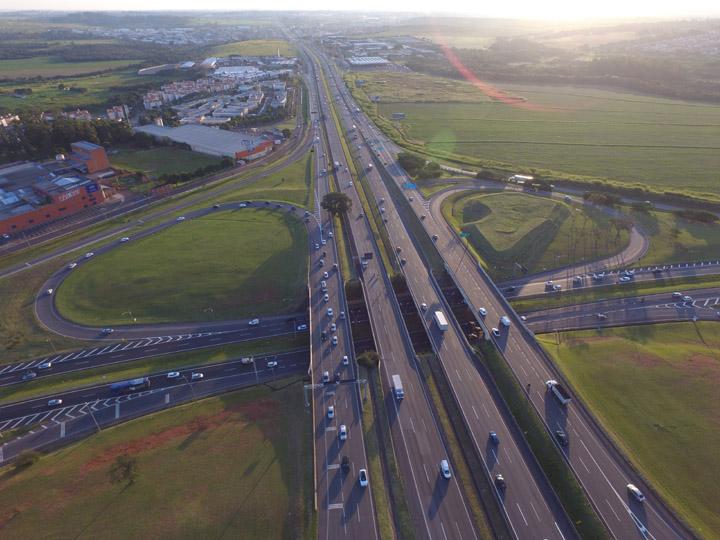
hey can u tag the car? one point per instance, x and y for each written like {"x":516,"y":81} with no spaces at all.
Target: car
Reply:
{"x":557,"y":287}
{"x":72,"y":265}
{"x":677,"y":295}
{"x":326,"y":297}
{"x":422,"y":217}
{"x":125,"y":239}
{"x":343,"y":432}
{"x":483,"y":312}
{"x":326,"y":376}
{"x":510,"y":289}
{"x":345,"y":464}
{"x":363,"y":478}
{"x":272,"y":364}
{"x":635,"y":493}
{"x":253,"y":322}
{"x":45,"y":365}
{"x":302,"y":327}
{"x":403,"y":262}
{"x":49,"y":292}
{"x":350,"y":184}
{"x":330,"y":312}
{"x":323,"y":241}
{"x":89,"y":254}
{"x":173,"y":375}
{"x":334,"y":340}
{"x":317,"y":246}
{"x":180,"y":218}
{"x":323,"y":286}
{"x":322,"y":262}
{"x":345,"y":360}
{"x":382,"y":209}
{"x":398,"y":249}
{"x":411,"y":199}
{"x":561,"y":437}
{"x":333,"y":327}
{"x":107,"y":331}
{"x":424,"y":306}
{"x":495,"y":332}
{"x":624,"y":279}
{"x":505,"y":321}
{"x":55,"y":402}
{"x":335,"y":266}
{"x":342,"y":315}
{"x":331,"y":411}
{"x":216,"y":206}
{"x":445,"y":469}
{"x":247,"y":360}
{"x":500,"y":481}
{"x":326,"y":275}
{"x":494,"y":438}
{"x":601,"y":316}
{"x":242,"y":205}
{"x":523,"y":318}
{"x":330,"y":234}
{"x":29,"y":375}
{"x":197,"y":376}
{"x":687,"y":298}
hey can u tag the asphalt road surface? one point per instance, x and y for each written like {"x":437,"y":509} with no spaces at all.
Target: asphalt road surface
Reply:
{"x":598,"y":464}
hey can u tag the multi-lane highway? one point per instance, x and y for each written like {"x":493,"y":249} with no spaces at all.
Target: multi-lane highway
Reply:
{"x":529,"y":504}
{"x":598,"y":464}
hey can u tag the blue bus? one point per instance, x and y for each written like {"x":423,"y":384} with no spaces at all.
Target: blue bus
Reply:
{"x":133,"y":385}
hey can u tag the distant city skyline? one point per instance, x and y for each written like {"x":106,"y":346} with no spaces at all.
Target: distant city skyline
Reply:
{"x":521,"y":9}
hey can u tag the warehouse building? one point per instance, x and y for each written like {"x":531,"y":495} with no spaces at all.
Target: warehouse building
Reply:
{"x":367,"y":61}
{"x":213,"y":141}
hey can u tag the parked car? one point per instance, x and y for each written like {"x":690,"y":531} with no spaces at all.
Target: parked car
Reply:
{"x":330,"y":312}
{"x":334,"y":340}
{"x":423,"y":306}
{"x":345,"y":464}
{"x":326,"y":376}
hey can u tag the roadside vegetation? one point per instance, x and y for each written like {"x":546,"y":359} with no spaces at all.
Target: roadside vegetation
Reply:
{"x":253,"y":262}
{"x":654,"y":389}
{"x":255,"y":47}
{"x":236,"y":465}
{"x":49,"y":66}
{"x":163,"y":160}
{"x":510,"y":229}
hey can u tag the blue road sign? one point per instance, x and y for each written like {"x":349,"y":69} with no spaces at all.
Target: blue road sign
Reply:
{"x":409,"y":185}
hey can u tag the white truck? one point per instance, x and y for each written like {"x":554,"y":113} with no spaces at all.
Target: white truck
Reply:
{"x":398,"y":387}
{"x":558,"y":391}
{"x":441,"y":321}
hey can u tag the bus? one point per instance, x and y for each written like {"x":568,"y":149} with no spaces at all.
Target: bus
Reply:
{"x":133,"y":385}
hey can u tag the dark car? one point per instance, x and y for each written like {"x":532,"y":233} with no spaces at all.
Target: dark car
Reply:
{"x":28,"y":375}
{"x":561,"y":437}
{"x":500,"y":481}
{"x":345,"y":464}
{"x":337,"y":378}
{"x":434,"y":237}
{"x":510,"y":289}
{"x":494,"y":438}
{"x":323,"y":336}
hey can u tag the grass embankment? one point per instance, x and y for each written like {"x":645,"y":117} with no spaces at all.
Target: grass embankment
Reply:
{"x":162,"y":160}
{"x":562,"y":479}
{"x":596,"y":294}
{"x":232,"y":466}
{"x":539,"y":233}
{"x":654,"y":389}
{"x":49,"y":66}
{"x":567,"y":132}
{"x":226,"y":265}
{"x":255,"y":47}
{"x":53,"y":384}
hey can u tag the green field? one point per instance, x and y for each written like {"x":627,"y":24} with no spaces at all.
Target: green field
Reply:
{"x":233,"y":466}
{"x":163,"y":160}
{"x":537,"y":232}
{"x":255,"y":47}
{"x":654,"y":388}
{"x":227,"y":265}
{"x":48,"y":66}
{"x":627,"y":138}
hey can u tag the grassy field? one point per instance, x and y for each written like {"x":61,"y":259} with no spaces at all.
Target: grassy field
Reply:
{"x":162,"y":160}
{"x":227,"y":265}
{"x":673,"y":239}
{"x":293,"y":184}
{"x":48,"y":66}
{"x":623,"y":137}
{"x":537,"y":232}
{"x":233,"y":466}
{"x":654,"y":388}
{"x":255,"y":47}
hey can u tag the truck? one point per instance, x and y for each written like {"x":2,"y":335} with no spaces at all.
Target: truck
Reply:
{"x":337,"y":165}
{"x":370,"y":166}
{"x":132,"y":385}
{"x":558,"y":391}
{"x":441,"y":321}
{"x":397,"y":387}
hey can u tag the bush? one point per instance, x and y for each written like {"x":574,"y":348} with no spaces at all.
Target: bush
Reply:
{"x":701,"y":216}
{"x":369,"y":360}
{"x":26,"y":459}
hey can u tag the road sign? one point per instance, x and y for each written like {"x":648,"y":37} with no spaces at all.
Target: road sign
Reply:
{"x":464,"y":235}
{"x":409,"y":185}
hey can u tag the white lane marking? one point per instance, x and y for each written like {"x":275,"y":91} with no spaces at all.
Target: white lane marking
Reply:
{"x":474,"y":411}
{"x":613,"y":510}
{"x":558,"y":528}
{"x":535,"y":511}
{"x":521,"y":513}
{"x":442,"y":528}
{"x":333,"y":466}
{"x":427,"y":476}
{"x":335,"y":506}
{"x":5,"y":369}
{"x":485,"y":409}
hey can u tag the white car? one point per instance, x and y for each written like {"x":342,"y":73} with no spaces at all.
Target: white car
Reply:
{"x":635,"y":492}
{"x":342,"y":315}
{"x":254,"y":322}
{"x":423,"y":306}
{"x":173,"y":375}
{"x":624,"y":279}
{"x":317,"y":246}
{"x":445,"y":469}
{"x":687,"y":298}
{"x":124,"y":239}
{"x":330,"y":312}
{"x":89,"y":254}
{"x":523,"y":318}
{"x":505,"y":320}
{"x":55,"y":402}
{"x":333,"y":327}
{"x":330,"y":234}
{"x":323,"y":241}
{"x":242,"y":205}
{"x":45,"y":365}
{"x":496,"y":332}
{"x":343,"y":432}
{"x":326,"y":376}
{"x":363,"y":478}
{"x":49,"y":292}
{"x":302,"y":327}
{"x":482,"y":311}
{"x":346,"y":360}
{"x":326,"y":275}
{"x":180,"y":218}
{"x":197,"y":376}
{"x":326,"y":297}
{"x":72,"y":265}
{"x":677,"y":295}
{"x":272,"y":364}
{"x":331,"y":411}
{"x":334,"y":340}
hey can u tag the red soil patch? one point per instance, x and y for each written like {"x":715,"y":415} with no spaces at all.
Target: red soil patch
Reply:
{"x":702,"y":365}
{"x":11,"y":513}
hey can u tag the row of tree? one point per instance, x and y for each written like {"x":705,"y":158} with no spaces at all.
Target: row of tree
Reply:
{"x":418,"y":167}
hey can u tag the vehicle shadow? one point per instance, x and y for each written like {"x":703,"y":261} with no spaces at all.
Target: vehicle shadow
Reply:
{"x":439,"y":491}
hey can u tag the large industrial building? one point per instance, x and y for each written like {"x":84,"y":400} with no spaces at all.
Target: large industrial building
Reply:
{"x":35,"y":193}
{"x":213,"y":141}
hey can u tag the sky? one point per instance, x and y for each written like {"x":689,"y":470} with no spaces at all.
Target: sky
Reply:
{"x":541,"y":9}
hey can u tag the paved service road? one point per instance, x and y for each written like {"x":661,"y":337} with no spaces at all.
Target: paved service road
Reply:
{"x":528,"y":501}
{"x":601,"y":469}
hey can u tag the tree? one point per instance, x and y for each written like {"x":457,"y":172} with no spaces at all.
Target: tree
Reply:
{"x":124,"y":469}
{"x":336,"y":203}
{"x":286,"y":132}
{"x":369,"y":359}
{"x":26,"y":459}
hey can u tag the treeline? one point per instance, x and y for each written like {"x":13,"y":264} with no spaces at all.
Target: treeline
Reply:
{"x":417,"y":167}
{"x":36,"y":139}
{"x":268,"y":117}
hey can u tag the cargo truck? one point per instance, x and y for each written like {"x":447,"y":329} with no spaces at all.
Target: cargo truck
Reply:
{"x":558,"y":391}
{"x":133,"y":385}
{"x":397,"y":387}
{"x":441,"y":320}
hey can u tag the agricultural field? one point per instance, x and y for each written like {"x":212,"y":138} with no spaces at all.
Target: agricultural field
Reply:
{"x":255,"y":47}
{"x":48,"y":66}
{"x":537,"y":232}
{"x":253,"y":262}
{"x":233,"y":466}
{"x":162,"y":160}
{"x":564,"y":131}
{"x":654,"y":389}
